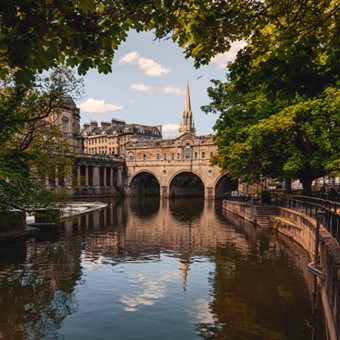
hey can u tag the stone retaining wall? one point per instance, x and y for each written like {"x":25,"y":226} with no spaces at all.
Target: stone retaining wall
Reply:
{"x":241,"y":209}
{"x":301,"y":229}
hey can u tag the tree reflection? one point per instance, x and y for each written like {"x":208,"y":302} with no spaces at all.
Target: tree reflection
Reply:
{"x":36,"y":296}
{"x":247,"y":304}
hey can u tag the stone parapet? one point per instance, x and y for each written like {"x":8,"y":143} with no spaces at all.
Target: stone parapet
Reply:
{"x":301,"y":229}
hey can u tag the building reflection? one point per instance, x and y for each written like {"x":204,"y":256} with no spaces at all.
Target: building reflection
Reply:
{"x":254,"y":286}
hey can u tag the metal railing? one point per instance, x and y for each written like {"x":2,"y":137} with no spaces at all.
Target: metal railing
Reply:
{"x":313,"y":207}
{"x":310,"y":206}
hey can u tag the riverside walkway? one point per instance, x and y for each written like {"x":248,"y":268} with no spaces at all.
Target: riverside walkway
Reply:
{"x":314,"y":224}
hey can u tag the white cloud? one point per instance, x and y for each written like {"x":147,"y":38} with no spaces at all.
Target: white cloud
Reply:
{"x":221,"y":60}
{"x":151,"y":68}
{"x":172,"y":90}
{"x":148,"y":66}
{"x":140,"y":87}
{"x":130,"y":58}
{"x":170,"y":127}
{"x":98,"y":106}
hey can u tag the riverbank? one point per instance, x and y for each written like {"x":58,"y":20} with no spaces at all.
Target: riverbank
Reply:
{"x":68,"y":210}
{"x":302,"y":229}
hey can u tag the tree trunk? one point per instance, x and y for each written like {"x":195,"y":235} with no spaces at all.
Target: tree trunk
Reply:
{"x":306,"y":186}
{"x":288,"y":186}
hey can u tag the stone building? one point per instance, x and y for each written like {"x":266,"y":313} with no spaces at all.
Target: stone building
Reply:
{"x":178,"y":167}
{"x":103,"y":139}
{"x":91,"y":174}
{"x":110,"y":137}
{"x":68,"y":119}
{"x":187,"y":146}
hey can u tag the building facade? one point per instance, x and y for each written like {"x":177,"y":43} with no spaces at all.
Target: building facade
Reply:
{"x":110,"y":137}
{"x":178,"y":167}
{"x":68,"y":119}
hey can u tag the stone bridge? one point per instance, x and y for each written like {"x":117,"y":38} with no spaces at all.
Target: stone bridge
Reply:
{"x":176,"y":178}
{"x":178,"y":167}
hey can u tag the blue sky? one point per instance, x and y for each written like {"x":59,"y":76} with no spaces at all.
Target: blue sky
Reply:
{"x":147,"y":86}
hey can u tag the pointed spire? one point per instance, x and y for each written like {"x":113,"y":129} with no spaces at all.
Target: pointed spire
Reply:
{"x":187,"y":105}
{"x":187,"y":120}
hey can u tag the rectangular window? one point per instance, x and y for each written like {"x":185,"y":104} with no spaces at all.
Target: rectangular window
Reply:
{"x":178,"y":156}
{"x":211,"y":153}
{"x":196,"y":155}
{"x":172,"y":156}
{"x":157,"y":156}
{"x":164,"y":156}
{"x":203,"y":155}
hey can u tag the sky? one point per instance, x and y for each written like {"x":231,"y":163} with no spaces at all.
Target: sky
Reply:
{"x":147,"y":86}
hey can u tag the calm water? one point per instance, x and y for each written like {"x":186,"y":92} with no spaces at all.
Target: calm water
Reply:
{"x":156,"y":269}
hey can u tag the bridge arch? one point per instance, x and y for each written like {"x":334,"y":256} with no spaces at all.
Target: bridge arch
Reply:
{"x":186,"y":184}
{"x":224,"y":185}
{"x":144,"y":183}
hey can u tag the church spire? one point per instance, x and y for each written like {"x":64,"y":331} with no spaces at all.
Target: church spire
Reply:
{"x":187,"y":106}
{"x":187,"y":124}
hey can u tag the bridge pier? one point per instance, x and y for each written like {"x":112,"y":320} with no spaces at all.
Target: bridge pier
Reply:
{"x":209,"y":193}
{"x":164,"y":192}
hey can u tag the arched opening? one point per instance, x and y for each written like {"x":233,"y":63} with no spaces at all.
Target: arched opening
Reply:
{"x":144,"y":184}
{"x":225,"y":186}
{"x":186,"y":184}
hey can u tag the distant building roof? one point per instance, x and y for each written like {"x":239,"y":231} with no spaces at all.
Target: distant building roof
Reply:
{"x":69,"y":102}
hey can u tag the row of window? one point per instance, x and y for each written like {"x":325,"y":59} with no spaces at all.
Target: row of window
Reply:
{"x":94,"y":151}
{"x":178,"y":155}
{"x":101,"y":140}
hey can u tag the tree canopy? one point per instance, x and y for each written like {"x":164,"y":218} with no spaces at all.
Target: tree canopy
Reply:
{"x":269,"y":119}
{"x":31,"y":146}
{"x":36,"y":35}
{"x":280,"y":107}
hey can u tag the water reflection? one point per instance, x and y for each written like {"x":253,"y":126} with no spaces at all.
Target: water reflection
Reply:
{"x":147,"y":269}
{"x":186,"y":209}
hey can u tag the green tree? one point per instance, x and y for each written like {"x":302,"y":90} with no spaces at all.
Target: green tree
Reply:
{"x":31,"y":147}
{"x":36,"y":35}
{"x":279,"y":110}
{"x":292,"y":56}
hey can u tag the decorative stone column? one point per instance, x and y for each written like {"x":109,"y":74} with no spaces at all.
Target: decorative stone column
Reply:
{"x":104,"y":175}
{"x":96,"y":178}
{"x":111,"y":177}
{"x":78,"y":175}
{"x":120,"y":176}
{"x":86,"y":175}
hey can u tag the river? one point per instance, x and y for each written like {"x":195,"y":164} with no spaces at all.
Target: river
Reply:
{"x":153,"y":268}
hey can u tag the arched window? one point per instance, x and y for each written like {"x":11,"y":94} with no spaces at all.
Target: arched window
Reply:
{"x":187,"y":151}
